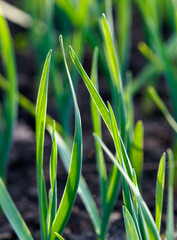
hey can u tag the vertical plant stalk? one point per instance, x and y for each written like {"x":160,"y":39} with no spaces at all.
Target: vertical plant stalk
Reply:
{"x":41,"y":106}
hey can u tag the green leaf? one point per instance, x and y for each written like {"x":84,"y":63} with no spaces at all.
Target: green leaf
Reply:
{"x":114,"y":69}
{"x":160,"y":104}
{"x":83,"y":190}
{"x":170,"y":208}
{"x":96,"y":120}
{"x":111,"y":56}
{"x":13,"y":214}
{"x":129,"y":225}
{"x":136,"y":151}
{"x":159,"y":191}
{"x":91,"y":88}
{"x":11,"y":96}
{"x":41,"y":106}
{"x":59,"y":236}
{"x":124,"y":19}
{"x":53,"y":183}
{"x":147,"y":215}
{"x":73,"y":179}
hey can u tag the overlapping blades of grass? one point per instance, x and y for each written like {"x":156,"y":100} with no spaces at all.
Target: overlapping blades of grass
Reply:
{"x":152,"y":228}
{"x":97,"y":129}
{"x":72,"y":184}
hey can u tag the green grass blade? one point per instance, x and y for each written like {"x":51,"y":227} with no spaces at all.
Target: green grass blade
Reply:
{"x":159,"y":191}
{"x":41,"y":106}
{"x":72,"y":183}
{"x":124,"y":25}
{"x":59,"y":236}
{"x":11,"y":96}
{"x":158,"y":101}
{"x":154,"y":235}
{"x":120,"y":148}
{"x":150,"y":71}
{"x":111,"y":56}
{"x":91,"y":88}
{"x":113,"y":189}
{"x":96,"y":120}
{"x":53,"y":183}
{"x":150,"y":55}
{"x":129,"y":225}
{"x":114,"y":69}
{"x":136,"y":151}
{"x":83,"y":191}
{"x":13,"y":214}
{"x":26,"y":104}
{"x":170,"y":208}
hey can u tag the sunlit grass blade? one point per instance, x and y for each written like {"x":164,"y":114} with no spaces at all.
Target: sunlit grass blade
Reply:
{"x":111,"y":56}
{"x":114,"y":69}
{"x":11,"y":96}
{"x":150,"y":55}
{"x":59,"y":236}
{"x":136,"y":151}
{"x":170,"y":208}
{"x":53,"y":183}
{"x":147,"y":215}
{"x":13,"y":214}
{"x":73,"y":179}
{"x":96,"y":119}
{"x":91,"y":88}
{"x":120,"y":148}
{"x":41,"y":106}
{"x":83,"y":190}
{"x":160,"y":104}
{"x":150,"y":71}
{"x":124,"y":24}
{"x":129,"y":225}
{"x":159,"y":191}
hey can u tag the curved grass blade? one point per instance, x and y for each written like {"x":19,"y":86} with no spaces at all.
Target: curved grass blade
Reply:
{"x":72,"y":183}
{"x":83,"y":190}
{"x":97,"y":129}
{"x":41,"y":106}
{"x":91,"y":88}
{"x":114,"y":69}
{"x":157,"y":100}
{"x":154,"y":235}
{"x":159,"y":191}
{"x":129,"y":225}
{"x":170,"y":208}
{"x":120,"y":148}
{"x":10,"y":101}
{"x":136,"y":151}
{"x":59,"y":236}
{"x":13,"y":214}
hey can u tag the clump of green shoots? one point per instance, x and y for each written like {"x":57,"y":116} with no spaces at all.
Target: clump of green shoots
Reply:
{"x":52,"y":219}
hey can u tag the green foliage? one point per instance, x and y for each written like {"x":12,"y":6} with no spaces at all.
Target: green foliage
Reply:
{"x":52,"y":220}
{"x":9,"y":107}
